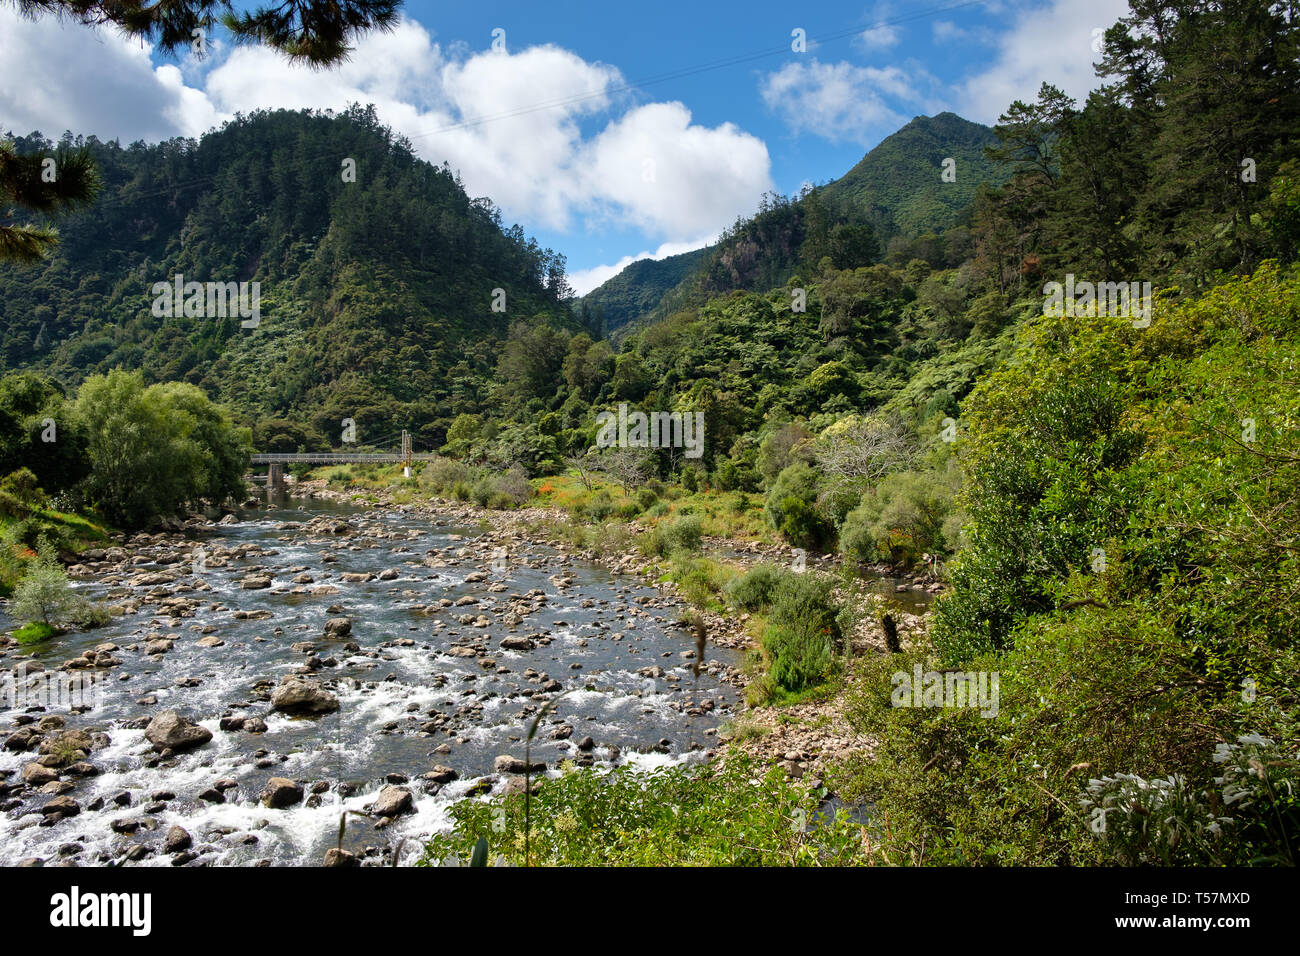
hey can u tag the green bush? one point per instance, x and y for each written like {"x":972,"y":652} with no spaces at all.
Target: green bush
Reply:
{"x":708,"y":815}
{"x":802,"y":632}
{"x":19,"y":494}
{"x":681,"y":534}
{"x":897,"y":522}
{"x":791,"y":507}
{"x":443,"y":475}
{"x":34,"y":633}
{"x":754,"y":589}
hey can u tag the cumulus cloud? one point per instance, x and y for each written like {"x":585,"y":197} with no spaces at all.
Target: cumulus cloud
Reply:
{"x":553,"y":139}
{"x":658,"y":171}
{"x":63,"y":76}
{"x":1050,"y":43}
{"x":842,"y":102}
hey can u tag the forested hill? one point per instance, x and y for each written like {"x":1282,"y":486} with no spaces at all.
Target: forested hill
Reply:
{"x":896,"y":179}
{"x":638,"y":288}
{"x":897,"y":198}
{"x":376,"y":289}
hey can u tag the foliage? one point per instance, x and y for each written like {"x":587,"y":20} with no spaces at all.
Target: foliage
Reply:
{"x":802,"y":632}
{"x":899,"y":520}
{"x":155,"y":449}
{"x":1172,"y":449}
{"x":671,"y":816}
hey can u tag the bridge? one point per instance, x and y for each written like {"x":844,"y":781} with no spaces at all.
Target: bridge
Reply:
{"x":276,"y":460}
{"x":335,"y":458}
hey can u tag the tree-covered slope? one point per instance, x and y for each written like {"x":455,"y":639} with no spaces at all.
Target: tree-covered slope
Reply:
{"x":895,"y":201}
{"x":903,"y":176}
{"x":377,"y":289}
{"x":637,"y":289}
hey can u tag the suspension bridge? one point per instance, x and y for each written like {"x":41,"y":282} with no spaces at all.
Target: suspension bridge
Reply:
{"x":275,"y":461}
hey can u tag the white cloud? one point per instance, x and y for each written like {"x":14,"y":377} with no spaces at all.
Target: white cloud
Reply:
{"x":541,"y":131}
{"x":842,"y":102}
{"x":879,"y":38}
{"x":1050,"y":43}
{"x":63,"y":76}
{"x":656,"y":170}
{"x":584,"y":280}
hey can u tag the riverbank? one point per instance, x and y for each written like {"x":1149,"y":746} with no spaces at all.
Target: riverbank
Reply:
{"x":265,"y":672}
{"x":804,"y":737}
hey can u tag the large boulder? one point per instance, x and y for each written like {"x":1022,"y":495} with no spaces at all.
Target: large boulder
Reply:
{"x":281,"y":792}
{"x":298,"y":695}
{"x":508,"y":764}
{"x":177,"y":839}
{"x":170,"y":731}
{"x":338,"y":627}
{"x":392,"y":801}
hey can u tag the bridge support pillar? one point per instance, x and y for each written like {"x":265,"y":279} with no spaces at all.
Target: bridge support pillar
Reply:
{"x":274,"y":478}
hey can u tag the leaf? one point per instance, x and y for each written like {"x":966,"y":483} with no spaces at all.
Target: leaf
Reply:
{"x":480,"y":854}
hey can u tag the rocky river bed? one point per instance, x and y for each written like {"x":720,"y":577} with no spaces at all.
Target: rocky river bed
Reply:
{"x":266,"y":672}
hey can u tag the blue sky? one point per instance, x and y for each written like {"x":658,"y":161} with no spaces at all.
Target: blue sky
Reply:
{"x":609,"y":131}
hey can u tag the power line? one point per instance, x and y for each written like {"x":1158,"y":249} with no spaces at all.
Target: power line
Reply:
{"x":602,"y":93}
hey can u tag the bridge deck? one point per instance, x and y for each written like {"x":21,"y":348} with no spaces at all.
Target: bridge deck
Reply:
{"x":331,"y":458}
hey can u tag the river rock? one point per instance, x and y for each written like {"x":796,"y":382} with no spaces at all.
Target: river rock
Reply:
{"x":392,"y":801}
{"x":441,"y":774}
{"x":36,"y":775}
{"x":255,"y":582}
{"x":170,"y":731}
{"x":298,"y":695}
{"x":518,"y":643}
{"x":505,"y":763}
{"x":338,"y":627}
{"x":177,"y":839}
{"x":63,"y":806}
{"x":281,"y":792}
{"x":334,"y":857}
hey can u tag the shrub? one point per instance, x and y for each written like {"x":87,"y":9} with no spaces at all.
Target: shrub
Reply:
{"x":707,"y":815}
{"x":898,"y":521}
{"x":802,"y":632}
{"x":44,"y":596}
{"x":791,"y":507}
{"x":753,"y":590}
{"x":677,"y":534}
{"x":19,"y":494}
{"x":34,"y":633}
{"x":443,"y":475}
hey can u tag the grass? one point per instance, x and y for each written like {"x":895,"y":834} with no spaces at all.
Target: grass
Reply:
{"x":34,"y":633}
{"x":733,"y":815}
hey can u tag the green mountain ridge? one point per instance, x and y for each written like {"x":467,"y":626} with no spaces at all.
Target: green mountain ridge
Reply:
{"x":376,"y":294}
{"x":897,"y":189}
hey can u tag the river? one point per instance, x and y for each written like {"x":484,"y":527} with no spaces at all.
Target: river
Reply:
{"x":419,"y":684}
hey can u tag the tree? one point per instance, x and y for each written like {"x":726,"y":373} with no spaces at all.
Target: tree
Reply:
{"x":154,"y":450}
{"x":44,"y":595}
{"x":628,"y":466}
{"x":46,"y":183}
{"x":313,"y":31}
{"x":864,"y":449}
